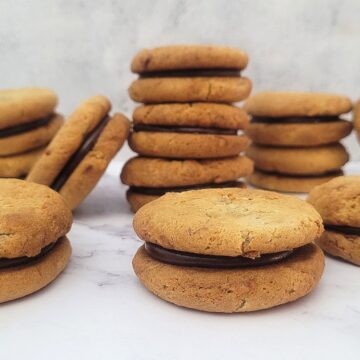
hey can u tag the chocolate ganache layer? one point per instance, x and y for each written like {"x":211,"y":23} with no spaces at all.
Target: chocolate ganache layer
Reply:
{"x":193,"y":73}
{"x":348,"y":230}
{"x":86,"y":146}
{"x":294,"y":119}
{"x":183,"y":129}
{"x":18,"y":129}
{"x":329,"y":173}
{"x":162,"y":191}
{"x":25,"y":260}
{"x":181,"y":258}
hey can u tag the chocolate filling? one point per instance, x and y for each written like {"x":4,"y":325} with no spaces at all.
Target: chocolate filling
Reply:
{"x":162,"y":191}
{"x":25,"y":260}
{"x":330,"y":173}
{"x":18,"y":129}
{"x":181,"y":258}
{"x":294,"y":119}
{"x":79,"y":155}
{"x":183,"y":129}
{"x":193,"y":73}
{"x":348,"y":230}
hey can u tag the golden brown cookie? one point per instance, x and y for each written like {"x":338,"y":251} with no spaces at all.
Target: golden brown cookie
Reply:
{"x":338,"y":201}
{"x":232,"y":290}
{"x":20,"y":106}
{"x":301,"y":161}
{"x":153,"y":172}
{"x":137,"y":200}
{"x":177,"y":57}
{"x":285,"y":183}
{"x":228,"y":222}
{"x":287,"y":104}
{"x":78,"y":155}
{"x":357,"y":119}
{"x":190,"y":89}
{"x":31,"y":139}
{"x":187,"y":145}
{"x":32,"y":217}
{"x":208,"y":115}
{"x":298,"y":134}
{"x":19,"y":281}
{"x":19,"y":165}
{"x":341,"y":245}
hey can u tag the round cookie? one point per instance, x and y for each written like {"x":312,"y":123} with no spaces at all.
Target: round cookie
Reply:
{"x":357,"y":119}
{"x":21,"y":106}
{"x":299,"y":134}
{"x":228,"y":222}
{"x":80,"y":152}
{"x":137,"y":200}
{"x":341,"y":245}
{"x":23,"y":142}
{"x":338,"y":201}
{"x":19,"y":281}
{"x":232,"y":290}
{"x":32,"y":217}
{"x":302,"y":161}
{"x":177,"y":57}
{"x":287,"y":104}
{"x":190,"y":89}
{"x":18,"y":166}
{"x":284,"y":183}
{"x":187,"y":146}
{"x":153,"y":172}
{"x":207,"y":115}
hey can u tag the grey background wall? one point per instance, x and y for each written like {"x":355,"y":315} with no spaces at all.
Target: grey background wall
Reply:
{"x":80,"y":48}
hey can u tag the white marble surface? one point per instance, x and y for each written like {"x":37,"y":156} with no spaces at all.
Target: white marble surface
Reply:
{"x":97,"y":309}
{"x":81,"y":48}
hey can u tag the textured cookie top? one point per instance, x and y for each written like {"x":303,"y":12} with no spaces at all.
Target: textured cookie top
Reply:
{"x":69,"y":138}
{"x":195,"y":114}
{"x":228,"y":222}
{"x":283,"y":104}
{"x":19,"y":106}
{"x":338,"y":201}
{"x":32,"y":216}
{"x":180,"y":57}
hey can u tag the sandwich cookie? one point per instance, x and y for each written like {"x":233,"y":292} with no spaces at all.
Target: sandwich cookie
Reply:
{"x":297,"y":119}
{"x":27,"y":123}
{"x":188,"y":131}
{"x":190,"y":73}
{"x":34,"y":249}
{"x":80,"y":152}
{"x":150,"y":178}
{"x":228,"y":250}
{"x":357,"y":119}
{"x":338,"y":202}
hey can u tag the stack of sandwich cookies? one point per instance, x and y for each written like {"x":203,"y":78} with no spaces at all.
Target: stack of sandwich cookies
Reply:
{"x":296,"y":139}
{"x":338,"y":202}
{"x":190,"y":124}
{"x":34,"y":249}
{"x":228,"y":250}
{"x":79,"y":154}
{"x":27,"y":124}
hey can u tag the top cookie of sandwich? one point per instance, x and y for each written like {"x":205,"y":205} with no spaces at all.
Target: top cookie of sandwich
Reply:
{"x":208,"y":115}
{"x":338,"y":201}
{"x":182,"y":57}
{"x":21,"y":106}
{"x":287,"y":104}
{"x":32,"y":217}
{"x":228,"y":222}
